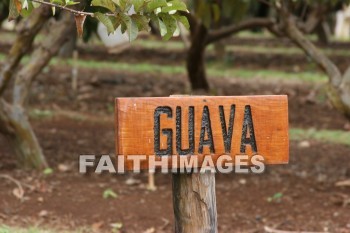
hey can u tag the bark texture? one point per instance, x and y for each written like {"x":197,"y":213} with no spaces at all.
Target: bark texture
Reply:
{"x":194,"y":203}
{"x":15,"y":126}
{"x":27,"y":30}
{"x":14,"y":123}
{"x":196,"y":58}
{"x":201,"y":37}
{"x":339,"y":84}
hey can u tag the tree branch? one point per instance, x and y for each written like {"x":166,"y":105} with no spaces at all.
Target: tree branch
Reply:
{"x":192,"y":20}
{"x":59,"y":34}
{"x":69,"y":9}
{"x":292,"y":31}
{"x":215,"y":35}
{"x":315,"y":17}
{"x":27,"y":31}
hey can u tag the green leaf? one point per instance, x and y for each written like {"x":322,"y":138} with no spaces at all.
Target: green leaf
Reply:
{"x":48,"y":171}
{"x":216,"y":12}
{"x":58,"y":2}
{"x":276,"y":197}
{"x":123,"y":27}
{"x":13,"y":12}
{"x":204,"y":13}
{"x":141,"y":21}
{"x":162,"y":27}
{"x":71,"y":3}
{"x":122,"y":4}
{"x":182,"y":19}
{"x":27,"y":11}
{"x":107,"y":21}
{"x":131,"y":26}
{"x":36,"y":5}
{"x":154,"y":4}
{"x":108,"y":4}
{"x":174,"y":6}
{"x":170,"y":23}
{"x":137,"y":4}
{"x":109,"y":193}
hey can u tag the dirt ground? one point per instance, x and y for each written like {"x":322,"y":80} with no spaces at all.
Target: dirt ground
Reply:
{"x":300,"y":196}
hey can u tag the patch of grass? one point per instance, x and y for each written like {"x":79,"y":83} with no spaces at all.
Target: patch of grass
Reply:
{"x":331,"y":136}
{"x":213,"y":69}
{"x":283,"y":50}
{"x":216,"y":69}
{"x":39,"y":113}
{"x":156,"y":44}
{"x":121,"y":66}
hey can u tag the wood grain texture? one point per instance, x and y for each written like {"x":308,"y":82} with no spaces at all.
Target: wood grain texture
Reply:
{"x":194,"y":203}
{"x":136,"y":127}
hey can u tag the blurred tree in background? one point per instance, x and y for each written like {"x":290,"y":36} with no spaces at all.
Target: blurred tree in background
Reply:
{"x":294,"y":26}
{"x":283,"y":18}
{"x":210,"y":21}
{"x":14,"y":123}
{"x":4,"y":10}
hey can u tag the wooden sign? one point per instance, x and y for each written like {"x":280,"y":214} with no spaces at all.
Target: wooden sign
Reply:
{"x":202,"y":126}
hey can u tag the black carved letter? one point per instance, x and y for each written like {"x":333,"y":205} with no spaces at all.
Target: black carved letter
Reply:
{"x":190,"y":149}
{"x":227,"y":133}
{"x":206,"y":127}
{"x":167,"y":132}
{"x":248,"y":124}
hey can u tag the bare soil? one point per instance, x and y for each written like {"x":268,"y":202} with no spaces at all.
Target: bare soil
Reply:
{"x":308,"y":198}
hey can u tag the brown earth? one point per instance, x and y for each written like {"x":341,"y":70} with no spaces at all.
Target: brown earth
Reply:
{"x":308,"y":198}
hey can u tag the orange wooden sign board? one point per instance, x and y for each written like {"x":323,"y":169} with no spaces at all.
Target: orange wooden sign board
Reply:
{"x":202,"y":126}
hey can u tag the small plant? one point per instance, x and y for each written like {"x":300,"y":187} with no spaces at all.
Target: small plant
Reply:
{"x":109,"y":193}
{"x":48,"y":171}
{"x":277,"y":197}
{"x":38,"y":113}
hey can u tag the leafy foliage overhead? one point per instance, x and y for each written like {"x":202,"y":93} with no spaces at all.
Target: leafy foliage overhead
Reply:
{"x":131,"y":15}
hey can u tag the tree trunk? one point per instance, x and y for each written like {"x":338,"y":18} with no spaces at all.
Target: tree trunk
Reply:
{"x":196,"y":59}
{"x":323,"y":33}
{"x":15,"y":126}
{"x":4,"y":11}
{"x":201,"y":37}
{"x":57,"y":36}
{"x":13,"y":119}
{"x":67,"y":50}
{"x":338,"y":89}
{"x":26,"y":33}
{"x":340,"y":95}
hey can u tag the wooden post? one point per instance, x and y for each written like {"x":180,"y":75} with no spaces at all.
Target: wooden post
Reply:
{"x":194,"y":203}
{"x":151,"y":184}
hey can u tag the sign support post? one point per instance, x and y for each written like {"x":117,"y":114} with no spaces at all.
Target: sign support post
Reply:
{"x":194,"y":202}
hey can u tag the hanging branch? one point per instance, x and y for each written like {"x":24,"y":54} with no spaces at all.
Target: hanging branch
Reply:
{"x":76,"y":12}
{"x":215,"y":35}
